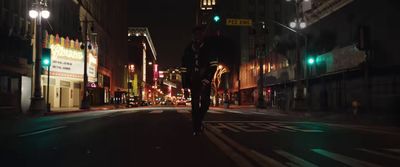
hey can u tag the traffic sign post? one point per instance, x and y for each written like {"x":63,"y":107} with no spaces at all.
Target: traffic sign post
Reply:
{"x":239,"y":22}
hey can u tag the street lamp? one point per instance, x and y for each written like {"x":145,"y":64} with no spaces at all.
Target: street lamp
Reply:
{"x":298,"y":24}
{"x":37,"y":12}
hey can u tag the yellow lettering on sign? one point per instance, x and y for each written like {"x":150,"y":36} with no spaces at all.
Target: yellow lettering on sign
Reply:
{"x":239,"y":22}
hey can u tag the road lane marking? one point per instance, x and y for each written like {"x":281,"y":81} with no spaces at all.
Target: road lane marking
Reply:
{"x":380,"y":153}
{"x":267,"y":159}
{"x":156,"y":112}
{"x":245,"y":128}
{"x":250,"y":154}
{"x":387,"y":131}
{"x":393,"y":150}
{"x":230,"y":111}
{"x":227,"y":150}
{"x":344,"y":159}
{"x":295,"y":159}
{"x":220,"y":126}
{"x":41,"y":131}
{"x":215,"y":112}
{"x":260,"y":127}
{"x":183,"y":111}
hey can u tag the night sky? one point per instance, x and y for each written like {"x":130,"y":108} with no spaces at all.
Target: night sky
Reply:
{"x":169,"y":22}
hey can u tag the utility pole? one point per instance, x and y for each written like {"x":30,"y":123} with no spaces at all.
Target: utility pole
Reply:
{"x":260,"y":53}
{"x":85,"y":102}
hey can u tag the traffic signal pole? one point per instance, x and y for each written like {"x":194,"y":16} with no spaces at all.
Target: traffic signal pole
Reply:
{"x":48,"y":87}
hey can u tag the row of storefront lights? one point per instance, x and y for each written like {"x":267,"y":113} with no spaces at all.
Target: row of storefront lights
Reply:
{"x":136,"y":34}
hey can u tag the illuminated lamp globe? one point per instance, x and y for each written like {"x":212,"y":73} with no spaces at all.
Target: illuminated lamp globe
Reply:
{"x":303,"y":25}
{"x":292,"y":24}
{"x":33,"y":14}
{"x":45,"y":14}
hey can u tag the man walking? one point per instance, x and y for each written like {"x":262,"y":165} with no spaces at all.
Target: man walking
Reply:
{"x":199,"y":64}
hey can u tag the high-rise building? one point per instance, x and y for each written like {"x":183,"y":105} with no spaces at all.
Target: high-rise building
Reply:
{"x":143,"y":55}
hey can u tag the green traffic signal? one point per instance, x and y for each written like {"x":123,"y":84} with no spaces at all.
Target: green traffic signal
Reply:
{"x":216,"y":18}
{"x":46,"y":57}
{"x":311,"y":61}
{"x":46,"y":62}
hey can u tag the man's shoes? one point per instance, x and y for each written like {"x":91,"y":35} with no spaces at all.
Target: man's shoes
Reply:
{"x":197,"y":133}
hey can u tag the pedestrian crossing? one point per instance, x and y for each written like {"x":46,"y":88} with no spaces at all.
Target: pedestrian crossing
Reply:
{"x":180,"y":111}
{"x":358,"y":157}
{"x":211,"y":111}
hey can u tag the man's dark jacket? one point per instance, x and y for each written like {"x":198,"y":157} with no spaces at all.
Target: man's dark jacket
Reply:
{"x":207,"y":61}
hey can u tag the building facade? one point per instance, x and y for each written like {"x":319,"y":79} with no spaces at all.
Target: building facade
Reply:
{"x":143,"y":55}
{"x":107,"y":23}
{"x":18,"y":43}
{"x":62,"y":33}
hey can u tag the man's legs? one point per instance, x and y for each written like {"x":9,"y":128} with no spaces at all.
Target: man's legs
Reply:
{"x":195,"y":107}
{"x":205,"y":103}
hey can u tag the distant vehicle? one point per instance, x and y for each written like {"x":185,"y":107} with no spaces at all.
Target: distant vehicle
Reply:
{"x":133,"y":101}
{"x":167,"y":102}
{"x":181,"y":102}
{"x":144,"y":103}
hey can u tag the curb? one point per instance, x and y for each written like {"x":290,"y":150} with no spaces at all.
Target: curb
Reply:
{"x":81,"y":111}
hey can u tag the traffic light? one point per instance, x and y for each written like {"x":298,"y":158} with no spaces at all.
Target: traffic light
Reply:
{"x":46,"y":57}
{"x":216,"y":18}
{"x":310,"y":61}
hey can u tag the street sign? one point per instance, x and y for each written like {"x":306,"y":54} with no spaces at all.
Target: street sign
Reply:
{"x":239,"y":22}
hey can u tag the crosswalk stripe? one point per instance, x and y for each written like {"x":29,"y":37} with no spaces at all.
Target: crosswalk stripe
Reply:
{"x":295,"y":159}
{"x":393,"y":150}
{"x":156,"y":112}
{"x":344,"y":159}
{"x":267,"y":160}
{"x":183,"y":111}
{"x":215,"y":112}
{"x":380,"y":153}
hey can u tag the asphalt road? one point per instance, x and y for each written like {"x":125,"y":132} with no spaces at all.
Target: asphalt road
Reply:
{"x":163,"y":137}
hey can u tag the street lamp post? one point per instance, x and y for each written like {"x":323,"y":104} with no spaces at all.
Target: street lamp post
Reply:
{"x":297,"y":24}
{"x":85,"y":100}
{"x":38,"y":12}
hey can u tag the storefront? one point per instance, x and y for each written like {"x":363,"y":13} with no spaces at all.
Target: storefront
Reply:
{"x":66,"y":71}
{"x":102,"y":92}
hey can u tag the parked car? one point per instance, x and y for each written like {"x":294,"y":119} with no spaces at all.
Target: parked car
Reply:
{"x":181,"y":102}
{"x":133,"y":101}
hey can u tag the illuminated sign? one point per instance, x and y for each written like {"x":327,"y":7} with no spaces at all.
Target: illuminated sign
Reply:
{"x":68,"y":62}
{"x":155,"y":72}
{"x":169,"y":83}
{"x":161,"y":74}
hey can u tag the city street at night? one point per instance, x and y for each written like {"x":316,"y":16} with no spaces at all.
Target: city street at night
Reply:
{"x":199,"y":83}
{"x":162,"y":136}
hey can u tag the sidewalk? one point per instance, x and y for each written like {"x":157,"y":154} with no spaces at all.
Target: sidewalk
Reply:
{"x":382,"y":119}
